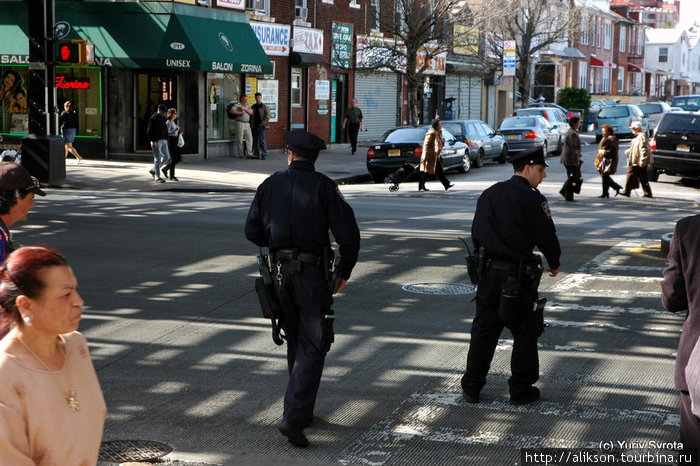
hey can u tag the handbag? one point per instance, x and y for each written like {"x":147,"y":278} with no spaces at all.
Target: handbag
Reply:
{"x":604,"y":166}
{"x":692,"y":379}
{"x":180,"y":140}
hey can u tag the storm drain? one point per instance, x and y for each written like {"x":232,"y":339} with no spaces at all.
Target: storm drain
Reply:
{"x":133,"y":450}
{"x":439,"y":288}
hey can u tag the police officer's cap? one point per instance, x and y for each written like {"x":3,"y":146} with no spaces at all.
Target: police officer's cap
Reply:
{"x":304,"y":144}
{"x":528,"y":157}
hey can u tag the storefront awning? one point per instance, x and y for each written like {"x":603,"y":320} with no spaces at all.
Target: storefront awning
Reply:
{"x":154,"y":35}
{"x":595,"y":61}
{"x":634,"y":68}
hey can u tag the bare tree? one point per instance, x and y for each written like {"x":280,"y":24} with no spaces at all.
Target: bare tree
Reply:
{"x":535,"y":25}
{"x":416,"y":35}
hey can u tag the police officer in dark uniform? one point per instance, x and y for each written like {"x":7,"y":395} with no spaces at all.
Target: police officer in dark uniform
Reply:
{"x":511,"y":218}
{"x":291,"y":214}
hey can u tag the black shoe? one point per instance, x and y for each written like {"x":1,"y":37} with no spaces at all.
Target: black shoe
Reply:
{"x":605,"y":195}
{"x":449,"y":186}
{"x":165,"y":172}
{"x":423,"y":189}
{"x":295,"y":436}
{"x":617,"y":190}
{"x":624,"y":193}
{"x":564,"y":195}
{"x":469,"y":397}
{"x":174,"y":178}
{"x":532,"y":395}
{"x":152,"y":172}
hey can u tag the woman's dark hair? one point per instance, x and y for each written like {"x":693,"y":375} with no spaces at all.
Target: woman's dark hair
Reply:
{"x":22,"y":274}
{"x":610,"y":129}
{"x":435,"y":123}
{"x":18,"y":78}
{"x":573,"y":120}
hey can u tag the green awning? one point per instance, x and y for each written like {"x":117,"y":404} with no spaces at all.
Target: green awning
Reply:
{"x":154,"y":35}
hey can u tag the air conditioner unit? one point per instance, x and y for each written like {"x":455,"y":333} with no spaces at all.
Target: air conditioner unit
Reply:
{"x":301,"y":12}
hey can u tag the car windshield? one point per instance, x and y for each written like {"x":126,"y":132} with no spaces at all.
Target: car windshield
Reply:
{"x":530,"y":111}
{"x":518,"y":123}
{"x":406,"y":135}
{"x":680,"y":122}
{"x":614,"y":112}
{"x":651,"y":108}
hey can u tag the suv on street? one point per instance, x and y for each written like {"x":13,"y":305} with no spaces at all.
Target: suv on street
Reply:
{"x":676,"y":146}
{"x":690,"y":103}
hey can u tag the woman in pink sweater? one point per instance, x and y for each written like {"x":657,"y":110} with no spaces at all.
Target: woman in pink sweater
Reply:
{"x":51,"y":406}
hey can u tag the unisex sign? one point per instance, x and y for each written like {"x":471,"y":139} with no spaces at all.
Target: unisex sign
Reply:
{"x":274,"y":38}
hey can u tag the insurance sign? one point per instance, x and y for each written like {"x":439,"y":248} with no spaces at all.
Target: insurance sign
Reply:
{"x":275,"y":39}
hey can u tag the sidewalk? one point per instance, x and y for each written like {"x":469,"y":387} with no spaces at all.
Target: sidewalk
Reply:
{"x":212,"y":174}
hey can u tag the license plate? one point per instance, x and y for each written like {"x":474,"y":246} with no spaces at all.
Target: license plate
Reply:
{"x":513,"y":136}
{"x":683,"y":148}
{"x":394,"y":152}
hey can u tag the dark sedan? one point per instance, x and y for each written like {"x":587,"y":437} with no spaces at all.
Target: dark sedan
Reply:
{"x":483,"y":142}
{"x":528,"y":132}
{"x":405,"y":145}
{"x":676,"y":146}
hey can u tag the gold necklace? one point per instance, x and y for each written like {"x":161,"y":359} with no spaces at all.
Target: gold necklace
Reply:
{"x":71,"y":400}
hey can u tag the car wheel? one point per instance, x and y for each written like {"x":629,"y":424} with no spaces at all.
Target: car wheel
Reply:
{"x":544,"y":149}
{"x":479,"y":161}
{"x":652,"y":173}
{"x":378,"y":177}
{"x":504,"y":155}
{"x":560,"y":146}
{"x":466,"y":164}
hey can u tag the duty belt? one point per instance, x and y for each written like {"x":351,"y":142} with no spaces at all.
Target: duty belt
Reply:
{"x":289,"y":255}
{"x":499,"y":264}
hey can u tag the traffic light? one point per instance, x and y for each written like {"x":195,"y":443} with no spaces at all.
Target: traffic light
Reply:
{"x":73,"y":52}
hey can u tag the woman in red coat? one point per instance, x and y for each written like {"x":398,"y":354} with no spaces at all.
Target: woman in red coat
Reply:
{"x":606,"y":161}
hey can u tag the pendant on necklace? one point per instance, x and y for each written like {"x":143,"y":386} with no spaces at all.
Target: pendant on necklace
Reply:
{"x":72,"y":402}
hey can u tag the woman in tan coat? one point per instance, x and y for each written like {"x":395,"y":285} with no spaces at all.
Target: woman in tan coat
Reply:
{"x":430,"y":162}
{"x":639,"y":156}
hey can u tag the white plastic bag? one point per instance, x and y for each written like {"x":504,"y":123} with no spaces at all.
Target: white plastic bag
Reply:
{"x":180,"y":140}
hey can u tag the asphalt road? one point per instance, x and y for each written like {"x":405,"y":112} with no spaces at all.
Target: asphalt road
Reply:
{"x":184,"y":359}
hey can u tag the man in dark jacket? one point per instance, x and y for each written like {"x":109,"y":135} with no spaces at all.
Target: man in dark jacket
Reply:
{"x":680,"y":292}
{"x":261,"y":120}
{"x":571,"y":158}
{"x":291,"y":214}
{"x":511,"y":219}
{"x":158,"y":136}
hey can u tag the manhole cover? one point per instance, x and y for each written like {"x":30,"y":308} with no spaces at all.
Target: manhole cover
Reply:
{"x":439,"y":288}
{"x":133,"y":450}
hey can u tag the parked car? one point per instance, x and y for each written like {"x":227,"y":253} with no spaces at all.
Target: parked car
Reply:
{"x":528,"y":132}
{"x":568,"y":113}
{"x":553,"y":115}
{"x":483,"y":142}
{"x":620,"y":117}
{"x":676,"y":146}
{"x":690,"y":103}
{"x":405,"y":145}
{"x":654,"y":111}
{"x":595,"y":106}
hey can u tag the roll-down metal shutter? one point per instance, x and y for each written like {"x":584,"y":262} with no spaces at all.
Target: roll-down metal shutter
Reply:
{"x":377,"y":97}
{"x":466,"y":90}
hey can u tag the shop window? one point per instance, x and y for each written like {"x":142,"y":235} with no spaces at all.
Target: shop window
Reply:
{"x":83,"y":87}
{"x":296,"y":86}
{"x":14,"y":118}
{"x":221,"y":89}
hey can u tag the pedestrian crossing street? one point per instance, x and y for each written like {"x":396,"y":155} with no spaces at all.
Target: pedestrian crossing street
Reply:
{"x":606,"y":374}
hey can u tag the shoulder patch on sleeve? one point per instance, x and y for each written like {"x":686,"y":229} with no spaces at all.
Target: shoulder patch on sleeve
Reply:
{"x":545,"y":208}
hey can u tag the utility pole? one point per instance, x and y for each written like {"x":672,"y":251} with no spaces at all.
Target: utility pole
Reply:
{"x":42,"y":151}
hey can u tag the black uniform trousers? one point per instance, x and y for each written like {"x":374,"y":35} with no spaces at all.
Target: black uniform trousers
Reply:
{"x":486,"y":330}
{"x":304,"y":297}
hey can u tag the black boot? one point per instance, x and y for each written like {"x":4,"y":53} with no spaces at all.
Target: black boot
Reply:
{"x":421,"y":182}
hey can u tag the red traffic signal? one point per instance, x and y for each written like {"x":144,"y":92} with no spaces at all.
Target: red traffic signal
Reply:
{"x":73,"y":52}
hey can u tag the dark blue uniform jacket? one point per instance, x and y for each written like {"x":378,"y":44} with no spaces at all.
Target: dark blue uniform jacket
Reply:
{"x":512,"y":218}
{"x":294,"y":208}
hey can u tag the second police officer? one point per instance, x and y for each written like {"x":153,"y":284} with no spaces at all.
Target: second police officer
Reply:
{"x":291,"y":214}
{"x":511,"y":218}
